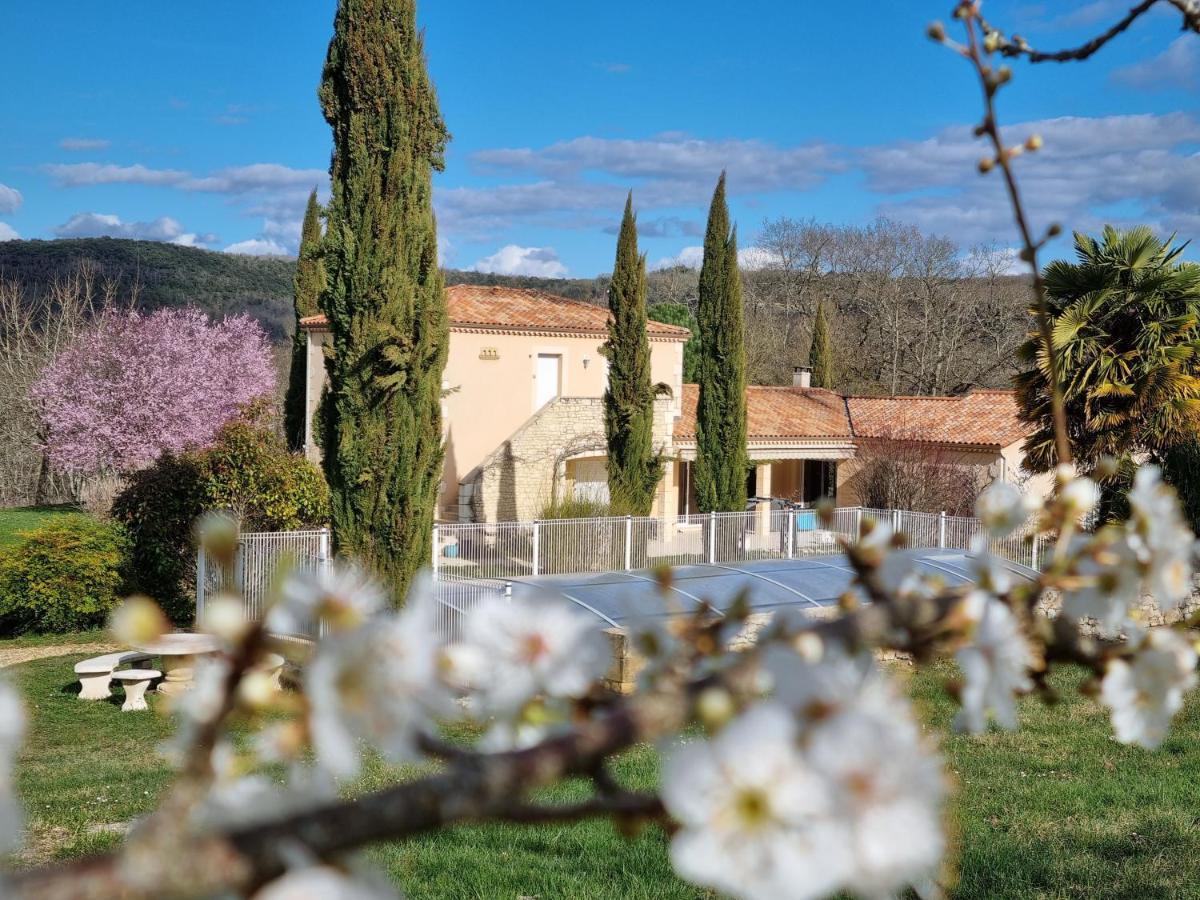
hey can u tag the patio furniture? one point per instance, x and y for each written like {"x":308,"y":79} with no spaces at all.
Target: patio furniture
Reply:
{"x":135,"y":682}
{"x":178,"y":652}
{"x":95,"y":674}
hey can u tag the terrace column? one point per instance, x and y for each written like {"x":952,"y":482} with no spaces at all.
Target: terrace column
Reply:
{"x":762,"y":488}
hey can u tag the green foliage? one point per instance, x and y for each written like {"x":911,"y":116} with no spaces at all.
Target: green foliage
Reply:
{"x":1126,"y":330}
{"x":306,"y":294}
{"x":384,"y":299}
{"x":820,"y":354}
{"x":721,"y":460}
{"x":65,"y":575}
{"x":162,"y":275}
{"x":575,"y":508}
{"x":679,"y":314}
{"x":1181,"y":469}
{"x":248,"y":472}
{"x":634,"y":468}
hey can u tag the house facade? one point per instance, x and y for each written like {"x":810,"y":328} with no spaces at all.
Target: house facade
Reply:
{"x":524,"y":417}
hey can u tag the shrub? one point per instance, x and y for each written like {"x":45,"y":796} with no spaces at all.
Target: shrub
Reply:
{"x":64,"y":576}
{"x":248,"y":472}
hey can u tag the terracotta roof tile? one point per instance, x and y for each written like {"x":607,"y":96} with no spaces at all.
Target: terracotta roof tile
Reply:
{"x":774,"y":413}
{"x":979,"y":417}
{"x":483,"y":306}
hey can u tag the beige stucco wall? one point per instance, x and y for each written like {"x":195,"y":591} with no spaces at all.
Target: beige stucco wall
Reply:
{"x":492,"y":384}
{"x":992,"y":466}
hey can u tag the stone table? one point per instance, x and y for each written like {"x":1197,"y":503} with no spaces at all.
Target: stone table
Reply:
{"x":178,"y":652}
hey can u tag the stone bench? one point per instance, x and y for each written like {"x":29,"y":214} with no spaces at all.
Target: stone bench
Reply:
{"x":95,"y":674}
{"x":135,"y":682}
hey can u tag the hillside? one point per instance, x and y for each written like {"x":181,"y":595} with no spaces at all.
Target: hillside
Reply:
{"x":219,"y":283}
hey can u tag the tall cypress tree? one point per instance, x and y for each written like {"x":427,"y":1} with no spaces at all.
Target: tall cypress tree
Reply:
{"x":721,"y":458}
{"x":633,"y":467}
{"x":384,"y":299}
{"x":306,"y":295}
{"x":820,"y":354}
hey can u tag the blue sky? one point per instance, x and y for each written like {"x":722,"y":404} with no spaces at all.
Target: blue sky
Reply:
{"x":198,"y":122}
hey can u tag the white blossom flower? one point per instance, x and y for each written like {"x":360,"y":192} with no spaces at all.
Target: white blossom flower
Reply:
{"x":324,"y":883}
{"x":886,"y":788}
{"x":342,"y":596}
{"x":1077,"y":495}
{"x":989,"y":572}
{"x":514,"y":651}
{"x":197,"y":707}
{"x":995,"y":664}
{"x":753,"y":817}
{"x":1160,"y":538}
{"x":378,"y":682}
{"x":1109,"y":582}
{"x":816,"y":689}
{"x":1143,"y":694}
{"x":12,"y":730}
{"x":1002,"y":508}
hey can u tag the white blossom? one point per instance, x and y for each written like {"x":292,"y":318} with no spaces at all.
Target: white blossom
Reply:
{"x":343,"y":596}
{"x":377,"y":682}
{"x":199,"y":706}
{"x":12,"y":730}
{"x":1143,"y":694}
{"x":754,"y":818}
{"x":995,"y":664}
{"x":1160,"y":538}
{"x":512,"y":652}
{"x":989,"y":572}
{"x":324,"y":883}
{"x":886,"y":788}
{"x":1077,"y":495}
{"x":1002,"y":508}
{"x":816,"y":689}
{"x":1108,"y":582}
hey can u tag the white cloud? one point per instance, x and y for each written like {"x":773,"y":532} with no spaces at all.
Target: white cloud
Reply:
{"x":257,"y":247}
{"x":1086,"y":167}
{"x":164,"y":228}
{"x":1176,"y":67}
{"x":7,"y":233}
{"x":10,"y":200}
{"x":542,"y":262}
{"x":89,"y":173}
{"x":78,"y":143}
{"x":688,"y":257}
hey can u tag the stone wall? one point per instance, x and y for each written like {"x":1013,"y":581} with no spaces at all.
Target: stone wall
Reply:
{"x":527,"y":471}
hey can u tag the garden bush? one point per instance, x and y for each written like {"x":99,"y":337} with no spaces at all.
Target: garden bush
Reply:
{"x":65,"y":575}
{"x":248,"y":472}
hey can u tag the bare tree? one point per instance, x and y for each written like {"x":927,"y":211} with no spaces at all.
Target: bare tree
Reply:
{"x":904,"y":472}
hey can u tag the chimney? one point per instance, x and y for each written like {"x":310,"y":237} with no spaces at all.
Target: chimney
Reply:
{"x":802,"y":377}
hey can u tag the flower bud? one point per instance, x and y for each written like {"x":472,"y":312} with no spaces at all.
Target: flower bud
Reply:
{"x":1004,"y":75}
{"x":256,"y":690}
{"x":1054,"y":230}
{"x":1033,"y":143}
{"x":715,"y":707}
{"x":225,"y":618}
{"x":986,"y":165}
{"x":936,"y":31}
{"x":138,"y":621}
{"x":992,"y":42}
{"x":217,"y":532}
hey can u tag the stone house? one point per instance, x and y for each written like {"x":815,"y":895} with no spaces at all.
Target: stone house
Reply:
{"x":524,"y":418}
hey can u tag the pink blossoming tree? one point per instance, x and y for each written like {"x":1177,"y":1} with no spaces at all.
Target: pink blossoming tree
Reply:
{"x":135,"y":386}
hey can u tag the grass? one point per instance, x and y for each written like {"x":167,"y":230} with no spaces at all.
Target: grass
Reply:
{"x":1055,"y":810}
{"x":14,"y":522}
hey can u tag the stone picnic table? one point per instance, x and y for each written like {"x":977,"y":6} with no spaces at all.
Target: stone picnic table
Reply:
{"x":178,"y":652}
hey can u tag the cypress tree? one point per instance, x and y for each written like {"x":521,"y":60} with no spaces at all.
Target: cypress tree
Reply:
{"x":820,"y":354}
{"x":721,"y":458}
{"x":306,"y":295}
{"x":384,"y":299}
{"x":634,"y":468}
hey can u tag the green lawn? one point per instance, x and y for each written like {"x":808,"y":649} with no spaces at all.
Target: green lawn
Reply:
{"x":15,"y":521}
{"x":1055,"y":810}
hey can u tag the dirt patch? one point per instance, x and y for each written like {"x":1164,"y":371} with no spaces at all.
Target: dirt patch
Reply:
{"x":18,"y":655}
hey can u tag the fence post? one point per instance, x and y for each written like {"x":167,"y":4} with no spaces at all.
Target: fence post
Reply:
{"x":324,"y":562}
{"x":1034,"y":559}
{"x":435,"y":552}
{"x":712,"y":537}
{"x":791,"y":527}
{"x":942,"y":530}
{"x":628,"y":543}
{"x":201,"y":582}
{"x":537,"y":533}
{"x":896,"y":521}
{"x":857,"y":523}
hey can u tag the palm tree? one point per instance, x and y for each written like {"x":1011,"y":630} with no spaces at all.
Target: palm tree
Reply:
{"x":1126,"y":320}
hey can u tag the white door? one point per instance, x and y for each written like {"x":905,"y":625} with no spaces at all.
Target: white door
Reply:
{"x":549,"y":378}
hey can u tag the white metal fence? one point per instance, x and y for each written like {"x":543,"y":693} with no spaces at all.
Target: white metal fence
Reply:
{"x":477,"y":560}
